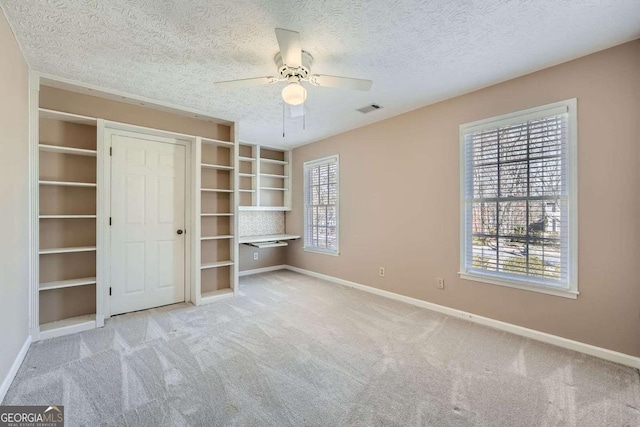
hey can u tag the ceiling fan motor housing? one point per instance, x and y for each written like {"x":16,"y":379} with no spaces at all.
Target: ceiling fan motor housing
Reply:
{"x":294,"y":74}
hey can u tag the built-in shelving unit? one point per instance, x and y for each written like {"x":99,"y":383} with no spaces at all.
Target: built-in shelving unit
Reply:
{"x":247,"y":174}
{"x":264,"y":178}
{"x":217,"y":251}
{"x":71,"y":273}
{"x":68,"y":146}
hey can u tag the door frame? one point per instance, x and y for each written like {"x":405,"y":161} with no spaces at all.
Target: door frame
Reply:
{"x":111,"y":128}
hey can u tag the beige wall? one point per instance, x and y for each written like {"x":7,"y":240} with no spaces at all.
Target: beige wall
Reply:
{"x":14,"y":193}
{"x":92,"y":106}
{"x":399,"y":183}
{"x":267,"y":257}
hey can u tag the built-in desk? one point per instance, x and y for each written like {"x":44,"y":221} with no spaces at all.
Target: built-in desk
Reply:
{"x":268,"y":240}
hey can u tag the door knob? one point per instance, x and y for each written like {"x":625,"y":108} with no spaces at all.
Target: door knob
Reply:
{"x":180,"y":231}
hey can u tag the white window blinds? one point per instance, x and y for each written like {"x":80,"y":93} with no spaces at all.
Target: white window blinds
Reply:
{"x":516,"y":199}
{"x":321,"y":205}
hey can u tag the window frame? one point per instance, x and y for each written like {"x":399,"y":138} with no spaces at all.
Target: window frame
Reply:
{"x":570,"y":290}
{"x":307,"y":165}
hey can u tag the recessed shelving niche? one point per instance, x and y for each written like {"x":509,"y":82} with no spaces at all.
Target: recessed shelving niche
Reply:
{"x":264,"y":175}
{"x":217,"y":247}
{"x":68,"y":214}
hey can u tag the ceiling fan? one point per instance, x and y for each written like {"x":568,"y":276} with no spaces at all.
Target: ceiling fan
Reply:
{"x":294,"y":66}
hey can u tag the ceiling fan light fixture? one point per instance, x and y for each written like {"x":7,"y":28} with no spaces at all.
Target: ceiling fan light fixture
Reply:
{"x":294,"y":94}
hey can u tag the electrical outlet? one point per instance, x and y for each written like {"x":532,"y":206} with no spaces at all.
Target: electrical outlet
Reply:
{"x":381,"y":272}
{"x":255,"y":256}
{"x":440,"y":283}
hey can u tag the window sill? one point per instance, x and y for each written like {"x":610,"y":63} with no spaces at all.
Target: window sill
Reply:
{"x":319,"y":251}
{"x":565,"y":293}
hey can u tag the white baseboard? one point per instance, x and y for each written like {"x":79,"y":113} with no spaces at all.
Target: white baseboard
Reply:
{"x":262,"y":270}
{"x":6,"y":383}
{"x":603,"y":353}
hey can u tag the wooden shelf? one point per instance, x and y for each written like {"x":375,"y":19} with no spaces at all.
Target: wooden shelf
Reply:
{"x":213,"y":296}
{"x":274,"y":188}
{"x":275,"y":162}
{"x":67,"y":283}
{"x":69,"y":184}
{"x":211,"y":141}
{"x":67,"y":150}
{"x":67,"y":326}
{"x":67,"y":117}
{"x":219,"y":167}
{"x":67,"y":216}
{"x":246,"y":191}
{"x":216,"y":190}
{"x":216,"y":264}
{"x":67,"y":250}
{"x":216,"y":214}
{"x":221,"y":237}
{"x":246,"y":159}
{"x":270,"y":175}
{"x":247,"y":175}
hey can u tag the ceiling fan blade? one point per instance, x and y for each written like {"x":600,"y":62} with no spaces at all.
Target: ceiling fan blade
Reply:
{"x":257,"y":81}
{"x":290,"y":47}
{"x":341,"y":82}
{"x":297,"y":110}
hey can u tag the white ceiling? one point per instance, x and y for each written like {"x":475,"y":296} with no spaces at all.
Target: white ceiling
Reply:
{"x":416,"y":52}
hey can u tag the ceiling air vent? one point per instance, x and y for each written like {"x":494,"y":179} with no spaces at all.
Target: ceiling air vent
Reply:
{"x":369,"y":108}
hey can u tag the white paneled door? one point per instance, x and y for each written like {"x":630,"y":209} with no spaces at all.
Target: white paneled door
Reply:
{"x":147,"y":221}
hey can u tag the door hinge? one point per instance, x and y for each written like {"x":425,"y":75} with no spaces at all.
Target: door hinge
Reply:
{"x":109,"y":291}
{"x":109,"y":220}
{"x":111,"y":151}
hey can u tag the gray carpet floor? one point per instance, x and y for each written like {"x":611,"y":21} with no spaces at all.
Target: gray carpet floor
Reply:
{"x":295,"y":351}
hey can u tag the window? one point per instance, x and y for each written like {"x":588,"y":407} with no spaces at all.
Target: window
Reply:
{"x":519,"y":200}
{"x":321,"y":205}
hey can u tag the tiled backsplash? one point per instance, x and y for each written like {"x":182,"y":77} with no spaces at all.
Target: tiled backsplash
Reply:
{"x":256,"y":223}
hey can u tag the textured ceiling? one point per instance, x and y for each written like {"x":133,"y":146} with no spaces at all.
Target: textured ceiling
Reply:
{"x":416,"y":52}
